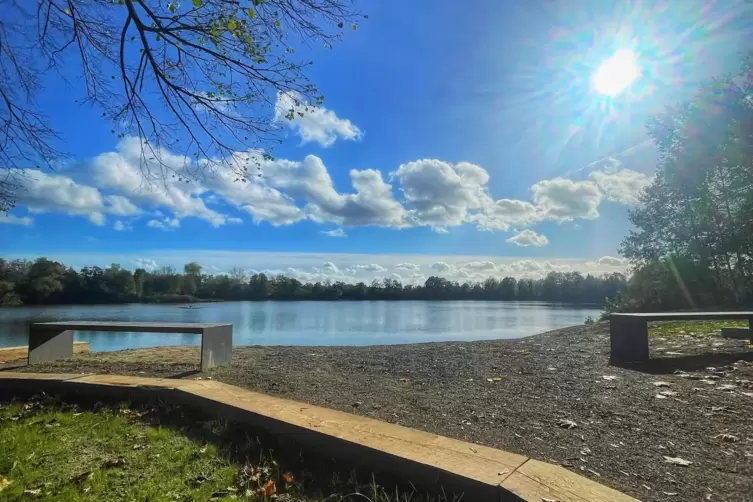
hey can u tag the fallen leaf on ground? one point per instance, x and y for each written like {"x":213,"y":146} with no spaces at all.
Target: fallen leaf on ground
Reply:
{"x":609,"y":377}
{"x":661,"y":384}
{"x":677,"y":461}
{"x":4,"y":483}
{"x":544,"y":499}
{"x":667,"y":393}
{"x":566,"y":423}
{"x":114,"y":462}
{"x":728,"y":438}
{"x":669,"y":494}
{"x":661,"y":396}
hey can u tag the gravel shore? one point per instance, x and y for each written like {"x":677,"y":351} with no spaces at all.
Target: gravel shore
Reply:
{"x":552,"y":396}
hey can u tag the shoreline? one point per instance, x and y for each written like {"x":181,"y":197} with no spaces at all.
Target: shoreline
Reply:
{"x":519,"y":395}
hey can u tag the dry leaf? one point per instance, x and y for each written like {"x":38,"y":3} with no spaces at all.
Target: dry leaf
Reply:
{"x":670,"y":494}
{"x":728,"y":438}
{"x":677,"y":461}
{"x":609,"y":377}
{"x":661,"y":384}
{"x":544,"y":499}
{"x":566,"y":423}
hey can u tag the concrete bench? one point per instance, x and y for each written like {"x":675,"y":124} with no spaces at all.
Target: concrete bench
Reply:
{"x":51,"y":341}
{"x":629,"y":332}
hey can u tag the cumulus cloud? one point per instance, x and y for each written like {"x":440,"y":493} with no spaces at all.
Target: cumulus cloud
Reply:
{"x":528,"y":238}
{"x":146,"y":263}
{"x":338,"y":232}
{"x":611,"y":261}
{"x":563,"y":199}
{"x":442,"y":267}
{"x":505,"y":213}
{"x":166,"y":224}
{"x":372,"y":267}
{"x":408,"y":266}
{"x":425,"y":192}
{"x":12,"y":219}
{"x":440,"y":194}
{"x":44,"y":193}
{"x":312,"y":123}
{"x":624,"y":186}
{"x":480,"y":266}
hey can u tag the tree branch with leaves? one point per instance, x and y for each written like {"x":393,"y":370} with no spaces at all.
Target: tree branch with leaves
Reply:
{"x":198,"y":77}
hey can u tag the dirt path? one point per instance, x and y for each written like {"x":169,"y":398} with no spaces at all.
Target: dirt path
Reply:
{"x":552,"y":396}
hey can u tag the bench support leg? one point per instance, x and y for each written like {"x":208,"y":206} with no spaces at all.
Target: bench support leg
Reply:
{"x":49,"y":345}
{"x":216,"y":347}
{"x":629,"y":340}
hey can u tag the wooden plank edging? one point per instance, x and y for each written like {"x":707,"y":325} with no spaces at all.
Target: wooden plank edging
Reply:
{"x":482,"y":473}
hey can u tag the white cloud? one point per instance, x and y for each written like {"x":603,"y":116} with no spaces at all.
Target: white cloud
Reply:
{"x":505,"y":213}
{"x":338,"y":232}
{"x":121,"y":206}
{"x":121,"y":226}
{"x":44,"y":193}
{"x":611,"y":261}
{"x":150,"y":183}
{"x":313,"y":123}
{"x":440,"y":194}
{"x":408,"y":266}
{"x":145,"y":263}
{"x":479,"y":266}
{"x":624,"y":186}
{"x":442,"y":267}
{"x":12,"y":219}
{"x":372,"y":204}
{"x":372,"y":267}
{"x":528,"y":238}
{"x":166,"y":224}
{"x":353,"y":267}
{"x":430,"y":192}
{"x":563,"y":199}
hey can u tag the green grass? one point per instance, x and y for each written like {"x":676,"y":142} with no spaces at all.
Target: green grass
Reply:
{"x":52,"y":454}
{"x":52,"y":451}
{"x":695,"y":328}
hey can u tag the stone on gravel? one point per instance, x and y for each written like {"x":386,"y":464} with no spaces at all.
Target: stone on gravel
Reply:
{"x":677,"y":461}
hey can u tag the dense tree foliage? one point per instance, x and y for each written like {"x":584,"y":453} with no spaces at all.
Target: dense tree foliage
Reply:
{"x":47,"y":282}
{"x":692,"y":246}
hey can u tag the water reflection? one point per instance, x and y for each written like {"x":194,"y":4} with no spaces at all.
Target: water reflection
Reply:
{"x":310,"y":323}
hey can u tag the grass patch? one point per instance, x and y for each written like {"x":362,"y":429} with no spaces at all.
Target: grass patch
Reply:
{"x":694,"y":328}
{"x":54,"y":451}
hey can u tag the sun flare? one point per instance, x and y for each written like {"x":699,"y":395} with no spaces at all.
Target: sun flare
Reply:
{"x":616,"y":73}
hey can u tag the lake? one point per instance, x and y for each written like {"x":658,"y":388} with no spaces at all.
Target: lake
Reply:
{"x":309,"y":323}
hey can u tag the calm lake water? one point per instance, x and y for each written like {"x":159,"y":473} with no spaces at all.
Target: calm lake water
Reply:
{"x":310,"y":323}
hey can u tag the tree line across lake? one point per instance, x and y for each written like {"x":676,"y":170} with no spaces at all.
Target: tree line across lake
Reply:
{"x":44,"y":281}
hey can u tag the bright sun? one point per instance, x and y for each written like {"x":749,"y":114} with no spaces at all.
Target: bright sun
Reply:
{"x":616,"y":73}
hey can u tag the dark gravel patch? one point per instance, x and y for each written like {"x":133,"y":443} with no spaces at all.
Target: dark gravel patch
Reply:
{"x":622,"y":432}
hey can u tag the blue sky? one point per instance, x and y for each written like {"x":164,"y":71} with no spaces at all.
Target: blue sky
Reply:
{"x":452,"y":132}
